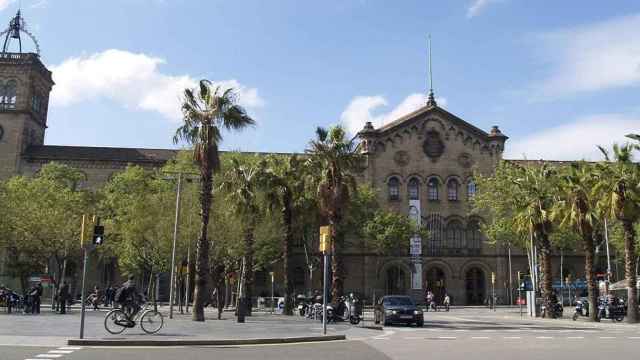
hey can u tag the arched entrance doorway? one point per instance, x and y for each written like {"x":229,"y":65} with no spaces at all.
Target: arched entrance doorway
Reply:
{"x":475,"y":286}
{"x":436,"y":283}
{"x":396,"y":283}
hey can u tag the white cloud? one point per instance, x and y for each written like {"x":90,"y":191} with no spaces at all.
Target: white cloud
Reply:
{"x":477,"y":6}
{"x":365,"y":108}
{"x":131,"y":80}
{"x":574,"y":141}
{"x":599,"y":56}
{"x":5,"y":3}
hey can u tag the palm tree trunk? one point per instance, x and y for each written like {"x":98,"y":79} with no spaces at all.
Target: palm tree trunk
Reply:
{"x":248,"y":243}
{"x":202,"y":245}
{"x":547,"y":274}
{"x":336,"y":266}
{"x":587,"y":244}
{"x":286,"y":253}
{"x":630,"y":271}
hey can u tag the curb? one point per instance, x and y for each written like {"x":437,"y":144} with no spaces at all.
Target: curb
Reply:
{"x":371,"y":327}
{"x":203,"y":342}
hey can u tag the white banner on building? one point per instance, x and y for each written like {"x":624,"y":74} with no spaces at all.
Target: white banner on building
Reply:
{"x":416,"y":276}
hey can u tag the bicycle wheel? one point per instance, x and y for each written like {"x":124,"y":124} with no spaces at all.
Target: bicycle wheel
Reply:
{"x":151,"y":321}
{"x":113,"y":321}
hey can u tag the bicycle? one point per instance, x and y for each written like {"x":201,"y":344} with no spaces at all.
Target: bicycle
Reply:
{"x":150,"y":320}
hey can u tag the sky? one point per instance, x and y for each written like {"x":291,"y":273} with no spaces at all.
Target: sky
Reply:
{"x":558,"y":77}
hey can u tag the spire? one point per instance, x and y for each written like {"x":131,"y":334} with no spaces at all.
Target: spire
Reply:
{"x":431,"y":100}
{"x":17,"y":26}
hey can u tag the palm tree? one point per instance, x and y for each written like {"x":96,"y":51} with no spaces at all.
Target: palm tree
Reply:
{"x":284,"y":185}
{"x":206,"y":112}
{"x":618,"y":184}
{"x":241,"y":184}
{"x":577,"y":209}
{"x":533,"y":200}
{"x":334,"y":158}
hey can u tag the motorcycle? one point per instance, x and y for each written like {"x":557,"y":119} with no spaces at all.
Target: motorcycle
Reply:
{"x":303,"y":305}
{"x":348,"y":309}
{"x":554,"y":312}
{"x":582,"y":309}
{"x":615,"y":311}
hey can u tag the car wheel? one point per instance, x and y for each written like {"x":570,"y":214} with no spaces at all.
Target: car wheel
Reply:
{"x":384,"y":320}
{"x":420,"y":323}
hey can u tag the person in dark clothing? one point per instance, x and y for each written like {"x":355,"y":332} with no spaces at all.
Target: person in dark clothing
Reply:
{"x":95,"y":297}
{"x":37,"y":295}
{"x":108,"y":295}
{"x":130,"y":299}
{"x":63,"y":297}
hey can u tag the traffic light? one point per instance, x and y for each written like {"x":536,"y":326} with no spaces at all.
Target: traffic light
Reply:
{"x":98,"y":234}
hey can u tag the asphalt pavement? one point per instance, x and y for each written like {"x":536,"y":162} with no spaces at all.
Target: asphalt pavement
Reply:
{"x":460,"y":334}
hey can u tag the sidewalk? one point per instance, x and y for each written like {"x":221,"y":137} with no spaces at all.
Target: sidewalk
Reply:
{"x":50,"y":328}
{"x":567,"y":319}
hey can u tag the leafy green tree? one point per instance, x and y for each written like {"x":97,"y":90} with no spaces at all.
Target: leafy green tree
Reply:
{"x":618,"y":188}
{"x":577,"y":209}
{"x":334,"y":158}
{"x":206,"y":112}
{"x":388,"y":233}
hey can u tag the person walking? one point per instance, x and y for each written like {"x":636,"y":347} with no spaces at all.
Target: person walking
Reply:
{"x":37,"y":298}
{"x":109,"y":294}
{"x":63,"y":297}
{"x":446,"y":302}
{"x":95,"y":297}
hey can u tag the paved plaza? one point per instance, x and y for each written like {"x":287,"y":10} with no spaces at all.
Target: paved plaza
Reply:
{"x":460,"y":334}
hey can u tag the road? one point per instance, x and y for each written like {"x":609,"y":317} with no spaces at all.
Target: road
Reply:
{"x":460,"y":334}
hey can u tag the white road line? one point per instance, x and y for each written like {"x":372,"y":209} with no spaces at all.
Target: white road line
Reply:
{"x":380,"y":338}
{"x":447,"y":337}
{"x":60,"y":351}
{"x":575,"y":337}
{"x":480,"y":337}
{"x":633,"y":337}
{"x":460,"y":330}
{"x":49,"y":356}
{"x":544,"y":337}
{"x":69,"y":348}
{"x":607,"y":337}
{"x":489,"y":330}
{"x":512,"y":337}
{"x":413,"y":338}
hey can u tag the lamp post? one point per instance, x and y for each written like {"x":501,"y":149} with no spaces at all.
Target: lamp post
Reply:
{"x":173,"y":249}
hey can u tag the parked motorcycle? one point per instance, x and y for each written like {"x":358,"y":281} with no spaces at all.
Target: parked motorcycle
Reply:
{"x":582,"y":309}
{"x":554,"y":312}
{"x":615,"y":310}
{"x":348,"y":309}
{"x":303,"y":305}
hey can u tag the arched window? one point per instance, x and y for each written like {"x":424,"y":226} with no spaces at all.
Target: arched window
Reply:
{"x":414,"y":189}
{"x":452,"y":190}
{"x":432,"y":189}
{"x":10,"y":94}
{"x":394,"y":188}
{"x":471,"y":189}
{"x":474,"y":236}
{"x":455,"y":235}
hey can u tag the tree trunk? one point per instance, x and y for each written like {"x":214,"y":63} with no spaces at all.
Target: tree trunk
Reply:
{"x":286,"y":253}
{"x":336,"y":266}
{"x":547,"y":274}
{"x":630,"y":271}
{"x":589,"y":255}
{"x":248,"y":243}
{"x":202,"y":245}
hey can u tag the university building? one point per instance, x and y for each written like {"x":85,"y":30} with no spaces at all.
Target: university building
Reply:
{"x":421,"y":164}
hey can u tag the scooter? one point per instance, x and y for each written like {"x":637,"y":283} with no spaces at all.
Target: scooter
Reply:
{"x":347,"y":309}
{"x":582,"y":309}
{"x":303,"y":305}
{"x":615,"y":311}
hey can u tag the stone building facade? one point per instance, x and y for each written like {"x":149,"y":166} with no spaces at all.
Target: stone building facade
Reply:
{"x":421,"y":164}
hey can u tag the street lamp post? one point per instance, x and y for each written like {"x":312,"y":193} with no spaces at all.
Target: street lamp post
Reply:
{"x":173,"y":250}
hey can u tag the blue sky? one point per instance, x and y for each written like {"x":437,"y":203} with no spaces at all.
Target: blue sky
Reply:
{"x":558,"y":77}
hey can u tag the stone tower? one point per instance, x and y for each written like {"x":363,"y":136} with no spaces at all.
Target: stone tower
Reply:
{"x":25,"y":84}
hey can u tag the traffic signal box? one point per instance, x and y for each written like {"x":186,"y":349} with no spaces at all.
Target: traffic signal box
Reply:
{"x":325,"y":238}
{"x":98,"y":234}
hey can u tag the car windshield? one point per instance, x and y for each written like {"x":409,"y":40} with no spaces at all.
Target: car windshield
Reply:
{"x":397,"y":301}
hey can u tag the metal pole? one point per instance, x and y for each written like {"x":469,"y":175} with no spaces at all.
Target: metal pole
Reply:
{"x":561,"y":277}
{"x":510,"y":278}
{"x":84,"y":275}
{"x":324,"y":293}
{"x":272,"y":293}
{"x":173,"y":251}
{"x":186,"y":286}
{"x":606,"y":239}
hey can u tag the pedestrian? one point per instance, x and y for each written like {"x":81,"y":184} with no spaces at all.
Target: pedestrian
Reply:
{"x":109,"y":293}
{"x":95,"y":297}
{"x":37,"y":298}
{"x":447,"y":301}
{"x":63,"y":297}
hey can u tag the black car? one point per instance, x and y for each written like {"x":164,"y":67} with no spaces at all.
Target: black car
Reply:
{"x":397,"y":309}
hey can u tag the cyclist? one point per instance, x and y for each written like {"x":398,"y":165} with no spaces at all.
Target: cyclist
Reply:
{"x":129,"y":298}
